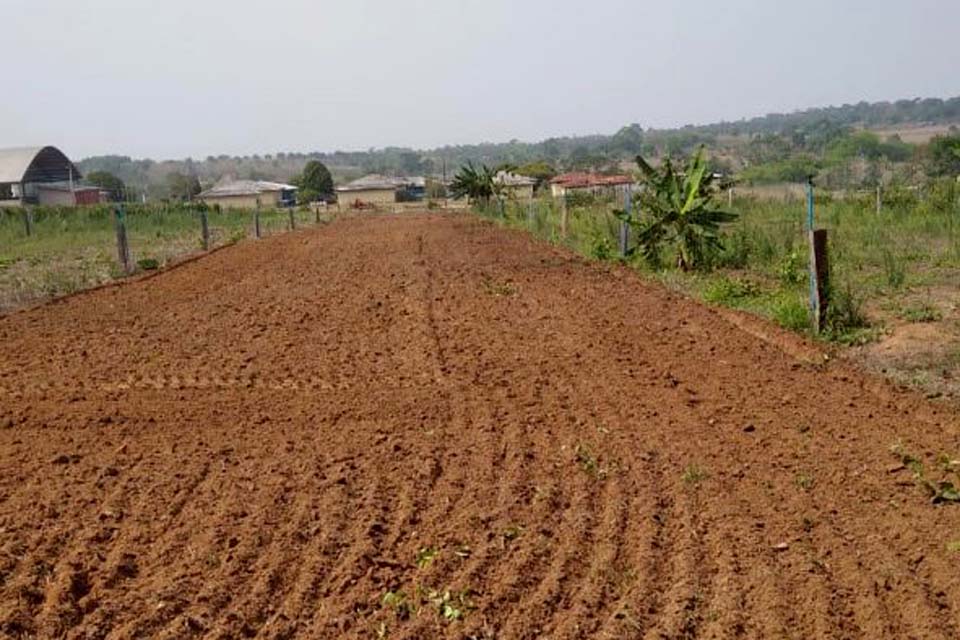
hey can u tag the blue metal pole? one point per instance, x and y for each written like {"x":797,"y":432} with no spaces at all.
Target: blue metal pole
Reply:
{"x":814,"y":285}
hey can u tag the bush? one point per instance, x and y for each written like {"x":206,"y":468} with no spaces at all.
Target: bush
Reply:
{"x":845,"y":312}
{"x":791,"y":267}
{"x":792,"y":314}
{"x":728,"y":291}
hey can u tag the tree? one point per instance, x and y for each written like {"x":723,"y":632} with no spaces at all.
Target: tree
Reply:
{"x":679,"y":212}
{"x":315,"y":180}
{"x":182,"y":187}
{"x":944,"y":156}
{"x":628,"y":140}
{"x":108,"y":182}
{"x":541,"y":171}
{"x":477,"y":184}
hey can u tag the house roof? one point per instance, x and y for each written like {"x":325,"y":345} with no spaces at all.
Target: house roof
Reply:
{"x":582,"y":180}
{"x":36,"y":164}
{"x":245,"y":188}
{"x":508,"y":179}
{"x":377,"y":182}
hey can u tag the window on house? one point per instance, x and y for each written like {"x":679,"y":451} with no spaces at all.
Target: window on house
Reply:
{"x":6,"y":192}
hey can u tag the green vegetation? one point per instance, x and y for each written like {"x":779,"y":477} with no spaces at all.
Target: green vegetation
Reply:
{"x":680,"y":215}
{"x":921,"y":313}
{"x":109,"y":182}
{"x":942,"y":483}
{"x":448,"y":604}
{"x":694,"y":475}
{"x":589,"y":462}
{"x":478,"y":184}
{"x":425,"y":557}
{"x":182,"y":187}
{"x":314,"y":183}
{"x":804,"y":136}
{"x":760,"y":262}
{"x":70,"y":249}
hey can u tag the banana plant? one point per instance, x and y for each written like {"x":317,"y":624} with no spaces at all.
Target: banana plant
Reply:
{"x":476,"y":183}
{"x":678,"y":212}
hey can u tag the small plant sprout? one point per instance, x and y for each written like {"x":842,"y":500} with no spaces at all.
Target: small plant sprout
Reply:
{"x":804,"y":481}
{"x":694,"y":475}
{"x":498,"y":289}
{"x":942,"y":489}
{"x":451,"y":606}
{"x":398,"y":601}
{"x":512,"y":533}
{"x":589,"y":462}
{"x":953,"y":547}
{"x":425,"y":557}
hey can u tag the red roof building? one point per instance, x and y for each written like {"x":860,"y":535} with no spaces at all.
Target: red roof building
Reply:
{"x":589,"y":182}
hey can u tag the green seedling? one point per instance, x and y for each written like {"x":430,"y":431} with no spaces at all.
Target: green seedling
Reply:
{"x":694,"y":475}
{"x":512,"y":533}
{"x":940,"y":491}
{"x":425,"y":557}
{"x":804,"y":481}
{"x":398,"y":601}
{"x":589,"y":462}
{"x":499,"y":289}
{"x":451,"y":606}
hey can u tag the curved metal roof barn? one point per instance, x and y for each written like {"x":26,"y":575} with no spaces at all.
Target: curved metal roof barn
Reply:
{"x":36,"y":164}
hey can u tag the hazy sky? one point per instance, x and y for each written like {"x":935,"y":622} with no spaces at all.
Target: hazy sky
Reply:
{"x":172,"y":78}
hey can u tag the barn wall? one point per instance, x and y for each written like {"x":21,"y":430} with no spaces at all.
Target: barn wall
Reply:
{"x":376,"y":197}
{"x":268,"y":200}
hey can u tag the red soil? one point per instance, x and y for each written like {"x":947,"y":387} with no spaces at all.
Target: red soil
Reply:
{"x":260,"y":444}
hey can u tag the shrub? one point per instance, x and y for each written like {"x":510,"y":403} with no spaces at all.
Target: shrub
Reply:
{"x":791,"y":313}
{"x":790,"y":269}
{"x":727,"y":291}
{"x":845,"y":312}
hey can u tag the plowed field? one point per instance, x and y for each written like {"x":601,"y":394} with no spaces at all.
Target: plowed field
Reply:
{"x":429,"y":427}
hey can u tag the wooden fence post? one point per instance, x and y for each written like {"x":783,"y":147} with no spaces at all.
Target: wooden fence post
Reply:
{"x":293,"y":223}
{"x":316,"y":212}
{"x":879,"y":200}
{"x":28,"y":220}
{"x":819,"y":267}
{"x":530,"y":214}
{"x":123,"y":246}
{"x":624,"y":224}
{"x":256,"y":221}
{"x":563,"y":216}
{"x":205,"y":229}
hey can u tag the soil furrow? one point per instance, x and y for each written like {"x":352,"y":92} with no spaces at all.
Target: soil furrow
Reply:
{"x":427,"y":426}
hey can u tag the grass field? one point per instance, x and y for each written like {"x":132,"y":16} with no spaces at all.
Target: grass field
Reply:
{"x":894,"y":274}
{"x":73,"y":249}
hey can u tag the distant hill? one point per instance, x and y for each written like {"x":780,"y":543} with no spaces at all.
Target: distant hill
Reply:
{"x":813,"y":128}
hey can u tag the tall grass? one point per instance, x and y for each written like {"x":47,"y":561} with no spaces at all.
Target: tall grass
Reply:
{"x":74,"y":248}
{"x":763,"y":266}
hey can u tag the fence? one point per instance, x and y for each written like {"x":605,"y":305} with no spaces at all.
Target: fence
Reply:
{"x":51,"y":251}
